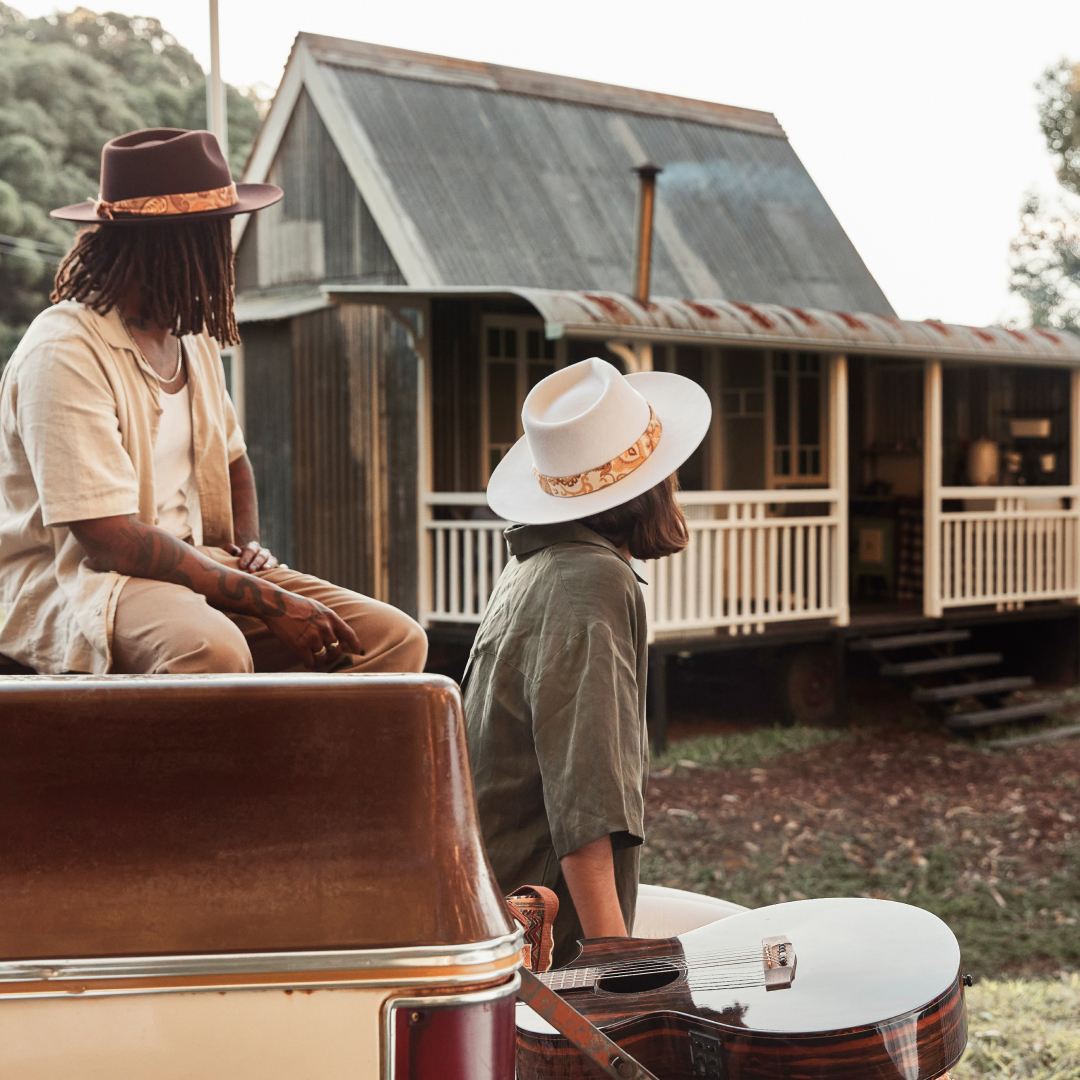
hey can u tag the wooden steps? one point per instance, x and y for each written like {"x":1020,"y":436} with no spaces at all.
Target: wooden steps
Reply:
{"x":910,"y":641}
{"x":948,"y":684}
{"x":941,"y":664}
{"x":983,"y":688}
{"x":985,"y":717}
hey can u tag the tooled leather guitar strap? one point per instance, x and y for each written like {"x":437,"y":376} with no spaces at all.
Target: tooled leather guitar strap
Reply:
{"x":534,"y":908}
{"x":580,"y":1031}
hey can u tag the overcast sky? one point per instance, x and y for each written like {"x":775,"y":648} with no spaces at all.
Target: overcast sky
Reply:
{"x":916,"y":120}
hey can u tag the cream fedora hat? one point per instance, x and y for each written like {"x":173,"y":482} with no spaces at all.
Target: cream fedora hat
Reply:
{"x":595,"y":439}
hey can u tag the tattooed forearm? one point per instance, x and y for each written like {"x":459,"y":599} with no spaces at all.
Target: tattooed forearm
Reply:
{"x":129,"y":546}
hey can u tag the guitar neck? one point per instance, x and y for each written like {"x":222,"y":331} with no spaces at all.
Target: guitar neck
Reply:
{"x":576,"y":978}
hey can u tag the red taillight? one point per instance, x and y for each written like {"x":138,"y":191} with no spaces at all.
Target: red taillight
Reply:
{"x":455,"y":1037}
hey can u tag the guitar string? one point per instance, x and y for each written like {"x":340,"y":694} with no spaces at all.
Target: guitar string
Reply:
{"x":666,"y":959}
{"x":646,"y":965}
{"x":575,"y":977}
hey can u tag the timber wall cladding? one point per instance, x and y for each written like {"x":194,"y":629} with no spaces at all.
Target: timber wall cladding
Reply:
{"x":322,"y":230}
{"x":456,"y":400}
{"x":268,"y":430}
{"x":354,"y":452}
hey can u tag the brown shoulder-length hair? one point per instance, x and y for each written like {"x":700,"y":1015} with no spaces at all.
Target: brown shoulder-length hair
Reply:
{"x":650,"y":526}
{"x":182,"y":274}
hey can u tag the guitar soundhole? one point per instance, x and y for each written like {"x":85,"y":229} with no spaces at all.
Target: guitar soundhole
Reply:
{"x":635,"y":981}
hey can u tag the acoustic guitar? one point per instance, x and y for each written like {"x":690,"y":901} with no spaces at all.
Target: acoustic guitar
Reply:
{"x":840,"y":989}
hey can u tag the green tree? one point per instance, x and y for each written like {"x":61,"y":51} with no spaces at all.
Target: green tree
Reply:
{"x":1045,"y":262}
{"x":68,"y":83}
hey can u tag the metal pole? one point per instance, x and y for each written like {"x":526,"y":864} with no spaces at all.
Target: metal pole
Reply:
{"x":647,"y":198}
{"x":216,"y":117}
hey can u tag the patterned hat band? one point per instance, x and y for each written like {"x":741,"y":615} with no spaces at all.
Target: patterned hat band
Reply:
{"x":611,"y":472}
{"x":192,"y":202}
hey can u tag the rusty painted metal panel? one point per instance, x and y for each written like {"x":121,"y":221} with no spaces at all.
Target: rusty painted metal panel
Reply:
{"x":600,"y":315}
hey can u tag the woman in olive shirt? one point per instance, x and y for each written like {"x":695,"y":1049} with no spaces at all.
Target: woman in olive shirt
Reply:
{"x":555,"y":686}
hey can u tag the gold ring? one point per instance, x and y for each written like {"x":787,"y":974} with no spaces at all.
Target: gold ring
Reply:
{"x":320,"y":652}
{"x":334,"y":645}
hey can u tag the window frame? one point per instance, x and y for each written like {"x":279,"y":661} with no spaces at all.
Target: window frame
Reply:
{"x":794,"y":478}
{"x":522,"y":324}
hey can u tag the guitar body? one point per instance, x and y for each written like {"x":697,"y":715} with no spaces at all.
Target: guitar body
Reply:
{"x":876,"y":995}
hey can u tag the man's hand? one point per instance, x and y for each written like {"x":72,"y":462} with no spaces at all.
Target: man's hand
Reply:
{"x":590,"y":876}
{"x":315,"y":633}
{"x":253,"y":556}
{"x":125,"y":545}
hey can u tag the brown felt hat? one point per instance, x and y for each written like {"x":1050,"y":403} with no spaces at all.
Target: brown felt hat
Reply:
{"x":161,"y":175}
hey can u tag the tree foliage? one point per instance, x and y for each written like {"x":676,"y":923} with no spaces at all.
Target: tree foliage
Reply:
{"x":68,"y":83}
{"x":1045,"y":260}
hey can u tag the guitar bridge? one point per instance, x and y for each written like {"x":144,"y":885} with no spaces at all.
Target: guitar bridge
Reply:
{"x":778,"y":959}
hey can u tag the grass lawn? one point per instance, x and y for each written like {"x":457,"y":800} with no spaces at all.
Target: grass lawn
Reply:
{"x":988,"y":841}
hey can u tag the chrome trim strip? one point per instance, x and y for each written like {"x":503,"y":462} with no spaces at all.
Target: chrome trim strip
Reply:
{"x":440,"y":1001}
{"x":210,"y":964}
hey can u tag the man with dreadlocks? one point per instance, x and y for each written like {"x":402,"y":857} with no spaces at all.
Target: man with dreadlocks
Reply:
{"x":129,"y":530}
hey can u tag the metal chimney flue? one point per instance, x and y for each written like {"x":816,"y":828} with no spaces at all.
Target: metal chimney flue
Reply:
{"x":647,"y":174}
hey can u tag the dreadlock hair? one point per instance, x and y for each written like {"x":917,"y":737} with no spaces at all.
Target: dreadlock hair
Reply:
{"x":650,"y":526}
{"x":182,"y":272}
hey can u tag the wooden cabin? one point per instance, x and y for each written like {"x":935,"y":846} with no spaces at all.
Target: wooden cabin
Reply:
{"x":452,"y":232}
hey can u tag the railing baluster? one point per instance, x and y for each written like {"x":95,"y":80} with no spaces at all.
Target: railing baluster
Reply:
{"x":800,"y":541}
{"x":785,"y":570}
{"x":470,"y":606}
{"x":438,"y":536}
{"x":483,"y":591}
{"x":772,"y":568}
{"x":759,"y":564}
{"x":733,"y":568}
{"x":812,"y":568}
{"x":980,"y":585}
{"x":718,"y":574}
{"x":746,"y":556}
{"x":455,"y":573}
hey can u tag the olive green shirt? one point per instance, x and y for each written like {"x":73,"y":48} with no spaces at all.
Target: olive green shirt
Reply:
{"x":555,"y":714}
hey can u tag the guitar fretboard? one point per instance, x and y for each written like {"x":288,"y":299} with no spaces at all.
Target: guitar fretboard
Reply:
{"x":570,"y":978}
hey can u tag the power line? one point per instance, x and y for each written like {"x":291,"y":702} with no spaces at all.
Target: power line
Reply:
{"x":42,"y":247}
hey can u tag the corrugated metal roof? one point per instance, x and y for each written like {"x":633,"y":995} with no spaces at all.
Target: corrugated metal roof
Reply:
{"x":256,"y":307}
{"x":502,"y":175}
{"x":615,"y":316}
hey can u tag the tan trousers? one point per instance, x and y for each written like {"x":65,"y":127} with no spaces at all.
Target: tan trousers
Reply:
{"x":162,"y":628}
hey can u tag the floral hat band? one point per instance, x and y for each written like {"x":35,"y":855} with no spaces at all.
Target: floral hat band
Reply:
{"x":611,"y":472}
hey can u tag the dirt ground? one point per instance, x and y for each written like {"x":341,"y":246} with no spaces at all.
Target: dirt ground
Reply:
{"x":988,"y":840}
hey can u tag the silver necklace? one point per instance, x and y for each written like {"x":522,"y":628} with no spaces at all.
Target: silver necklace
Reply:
{"x":179,"y":357}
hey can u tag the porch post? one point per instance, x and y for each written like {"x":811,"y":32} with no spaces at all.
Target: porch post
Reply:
{"x":1074,"y":474}
{"x":424,"y":469}
{"x":838,"y":480}
{"x":932,"y":489}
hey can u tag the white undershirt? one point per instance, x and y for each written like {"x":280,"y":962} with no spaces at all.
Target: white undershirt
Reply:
{"x":175,"y":493}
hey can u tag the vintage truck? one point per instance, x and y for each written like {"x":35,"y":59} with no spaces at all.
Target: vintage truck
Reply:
{"x":274,"y":877}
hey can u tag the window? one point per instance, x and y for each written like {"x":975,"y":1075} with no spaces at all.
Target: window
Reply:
{"x":517,"y":356}
{"x":232,"y":360}
{"x":798,"y":401}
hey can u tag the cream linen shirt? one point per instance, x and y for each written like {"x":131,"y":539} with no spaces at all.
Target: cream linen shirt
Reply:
{"x":79,"y":413}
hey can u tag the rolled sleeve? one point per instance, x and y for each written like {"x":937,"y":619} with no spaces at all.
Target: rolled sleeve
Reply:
{"x":68,"y":424}
{"x":589,"y":740}
{"x":234,"y":435}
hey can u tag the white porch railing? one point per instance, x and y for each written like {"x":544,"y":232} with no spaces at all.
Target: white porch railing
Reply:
{"x":1009,"y":545}
{"x":750,"y":562}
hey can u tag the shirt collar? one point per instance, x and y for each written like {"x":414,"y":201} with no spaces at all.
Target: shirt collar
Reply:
{"x":524,"y":540}
{"x":111,"y":327}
